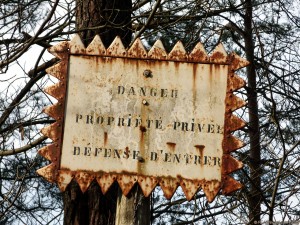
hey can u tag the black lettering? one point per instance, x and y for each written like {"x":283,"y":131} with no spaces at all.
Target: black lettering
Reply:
{"x":187,"y":158}
{"x":142,"y":91}
{"x":201,"y":126}
{"x":148,"y":91}
{"x":110,"y":120}
{"x":217,"y":161}
{"x":207,"y":160}
{"x":164,"y":93}
{"x":126,"y":153}
{"x":192,"y":125}
{"x":87,"y":151}
{"x":121,"y":90}
{"x":89,"y":119}
{"x":116,"y":153}
{"x":78,"y":117}
{"x":197,"y":160}
{"x":184,"y":126}
{"x":153,"y":92}
{"x":153,"y":156}
{"x":174,"y":93}
{"x":76,"y":151}
{"x":107,"y":152}
{"x":99,"y":120}
{"x":167,"y":157}
{"x":176,"y":124}
{"x":97,"y":151}
{"x":129,"y":121}
{"x":138,"y":122}
{"x":211,"y":128}
{"x":149,"y":123}
{"x":131,"y":91}
{"x":121,"y":122}
{"x":219,"y":129}
{"x":135,"y":154}
{"x":177,"y":158}
{"x":158,"y":124}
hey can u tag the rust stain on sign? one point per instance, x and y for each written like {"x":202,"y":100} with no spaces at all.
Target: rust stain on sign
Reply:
{"x":154,"y":117}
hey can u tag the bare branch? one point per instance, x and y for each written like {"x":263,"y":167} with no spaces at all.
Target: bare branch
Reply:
{"x":24,"y":148}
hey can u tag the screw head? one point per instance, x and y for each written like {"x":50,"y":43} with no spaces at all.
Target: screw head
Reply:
{"x":145,"y":102}
{"x":147,"y":73}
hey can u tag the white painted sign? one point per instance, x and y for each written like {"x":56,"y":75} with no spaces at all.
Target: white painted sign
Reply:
{"x":169,"y":123}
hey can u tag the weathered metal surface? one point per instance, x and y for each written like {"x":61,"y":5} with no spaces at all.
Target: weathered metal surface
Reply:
{"x":55,"y":131}
{"x":198,"y":54}
{"x":169,"y":186}
{"x":64,"y":178}
{"x":178,"y":52}
{"x":147,"y":183}
{"x":96,"y":47}
{"x":116,"y":48}
{"x":157,"y":51}
{"x":189,"y":188}
{"x":61,"y":51}
{"x":230,"y":185}
{"x":49,"y":172}
{"x":105,"y":180}
{"x":50,"y":152}
{"x":137,"y":50}
{"x":126,"y":182}
{"x":84,"y":179}
{"x":148,"y":117}
{"x":211,"y":188}
{"x":234,"y":83}
{"x":219,"y":55}
{"x":231,"y":143}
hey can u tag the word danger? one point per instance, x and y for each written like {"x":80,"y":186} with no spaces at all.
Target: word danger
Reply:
{"x":147,"y":92}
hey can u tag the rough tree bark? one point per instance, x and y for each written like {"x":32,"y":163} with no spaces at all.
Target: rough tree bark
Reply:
{"x":90,"y":208}
{"x":254,"y":132}
{"x":107,"y":19}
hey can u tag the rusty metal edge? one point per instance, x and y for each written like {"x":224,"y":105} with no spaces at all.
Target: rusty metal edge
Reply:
{"x":169,"y":185}
{"x":230,"y":143}
{"x":55,"y":130}
{"x":177,"y":54}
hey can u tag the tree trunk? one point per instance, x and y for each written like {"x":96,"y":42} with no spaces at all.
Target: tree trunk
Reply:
{"x":107,"y":19}
{"x":91,"y":207}
{"x":254,"y":132}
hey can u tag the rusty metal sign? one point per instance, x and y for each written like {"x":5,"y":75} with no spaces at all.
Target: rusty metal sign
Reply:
{"x":150,"y":117}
